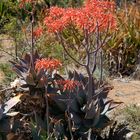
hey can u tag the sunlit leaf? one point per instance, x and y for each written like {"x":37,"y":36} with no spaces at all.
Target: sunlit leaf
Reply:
{"x":12,"y":102}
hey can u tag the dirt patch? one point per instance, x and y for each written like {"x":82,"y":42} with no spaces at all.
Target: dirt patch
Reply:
{"x":127,"y":91}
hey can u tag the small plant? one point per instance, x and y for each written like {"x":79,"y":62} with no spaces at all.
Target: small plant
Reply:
{"x":122,"y":51}
{"x":8,"y":73}
{"x":132,"y":115}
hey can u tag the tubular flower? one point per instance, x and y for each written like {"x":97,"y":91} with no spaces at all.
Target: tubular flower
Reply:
{"x":38,"y":32}
{"x":54,"y":21}
{"x":68,"y":85}
{"x":86,"y":17}
{"x":47,"y":64}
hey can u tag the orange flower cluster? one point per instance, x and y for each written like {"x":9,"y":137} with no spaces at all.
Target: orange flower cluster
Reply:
{"x":47,"y":64}
{"x":86,"y":17}
{"x":38,"y":32}
{"x":68,"y":85}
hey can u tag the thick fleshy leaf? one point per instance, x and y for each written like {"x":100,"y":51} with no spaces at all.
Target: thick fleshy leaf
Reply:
{"x":27,"y":58}
{"x":58,"y":77}
{"x":70,"y":74}
{"x":74,"y":105}
{"x":35,"y":56}
{"x":12,"y":62}
{"x":18,"y":72}
{"x":106,"y":109}
{"x":90,"y":110}
{"x":114,"y":105}
{"x":12,"y":114}
{"x":76,"y":118}
{"x":23,"y":62}
{"x":81,"y":97}
{"x":96,"y":117}
{"x":40,"y":74}
{"x":21,"y":68}
{"x":103,"y":122}
{"x":5,"y":125}
{"x":12,"y":102}
{"x":1,"y":113}
{"x":30,"y":80}
{"x":58,"y":102}
{"x":77,"y":76}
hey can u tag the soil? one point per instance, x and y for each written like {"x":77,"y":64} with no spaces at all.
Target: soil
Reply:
{"x":127,"y":91}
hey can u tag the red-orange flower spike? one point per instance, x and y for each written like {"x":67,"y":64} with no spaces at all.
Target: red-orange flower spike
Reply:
{"x":54,"y":22}
{"x":86,"y":17}
{"x":68,"y":85}
{"x":38,"y":32}
{"x":47,"y":64}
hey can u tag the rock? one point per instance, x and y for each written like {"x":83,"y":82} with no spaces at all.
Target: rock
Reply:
{"x":129,"y":136}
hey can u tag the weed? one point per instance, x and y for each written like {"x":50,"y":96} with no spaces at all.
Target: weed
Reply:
{"x":8,"y":73}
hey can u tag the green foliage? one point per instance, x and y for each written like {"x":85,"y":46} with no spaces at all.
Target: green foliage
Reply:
{"x":124,"y":46}
{"x":135,"y":136}
{"x":132,"y":115}
{"x":7,"y":12}
{"x":8,"y":73}
{"x":65,"y":3}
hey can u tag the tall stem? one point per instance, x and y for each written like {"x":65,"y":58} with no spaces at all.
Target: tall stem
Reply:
{"x":32,"y":39}
{"x":101,"y":67}
{"x":47,"y":110}
{"x":16,"y":51}
{"x":90,"y":84}
{"x":32,"y":36}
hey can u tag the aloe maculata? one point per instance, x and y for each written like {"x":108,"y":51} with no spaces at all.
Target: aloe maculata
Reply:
{"x":25,"y":69}
{"x":84,"y":115}
{"x":70,"y":113}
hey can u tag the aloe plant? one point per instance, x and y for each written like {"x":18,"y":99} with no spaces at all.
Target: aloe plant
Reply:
{"x":6,"y":114}
{"x":83,"y":115}
{"x":70,"y":112}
